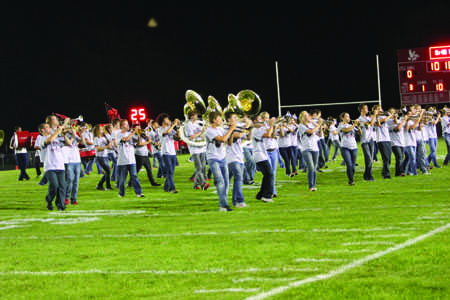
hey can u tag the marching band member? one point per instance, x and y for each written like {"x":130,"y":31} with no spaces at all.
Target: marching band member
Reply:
{"x":430,"y":126}
{"x":141,"y":153}
{"x":249,"y":165}
{"x":37,"y":146}
{"x":409,"y":163}
{"x":285,"y":147}
{"x":89,"y":143}
{"x":235,"y":161}
{"x":102,"y":145}
{"x":309,"y":136}
{"x":349,"y":148}
{"x":396,"y":132}
{"x":259,"y":133}
{"x":73,"y":166}
{"x":445,"y":123}
{"x":20,"y":154}
{"x":421,"y":137}
{"x":166,"y":133}
{"x":193,"y":131}
{"x":108,"y":130}
{"x":367,"y":140}
{"x":316,"y":115}
{"x":52,"y":144}
{"x":114,"y":132}
{"x":156,"y":150}
{"x":215,"y":153}
{"x":271,"y":145}
{"x":333,"y":137}
{"x":126,"y":160}
{"x":383,"y":139}
{"x":37,"y":156}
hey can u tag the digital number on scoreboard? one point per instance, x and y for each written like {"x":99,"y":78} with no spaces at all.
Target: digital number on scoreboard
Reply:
{"x":424,"y":75}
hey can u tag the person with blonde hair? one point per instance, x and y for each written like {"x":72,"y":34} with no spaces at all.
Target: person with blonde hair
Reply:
{"x":308,"y":132}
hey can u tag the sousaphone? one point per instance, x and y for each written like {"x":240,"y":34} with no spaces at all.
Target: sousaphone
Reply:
{"x":250,"y":102}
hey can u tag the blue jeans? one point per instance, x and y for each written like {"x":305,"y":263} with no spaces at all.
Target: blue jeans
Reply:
{"x":87,"y":164}
{"x":170,"y":162}
{"x":112,"y":157}
{"x":56,"y":188}
{"x":237,"y":170}
{"x":273,"y":160}
{"x":104,"y":164}
{"x":220,"y":172}
{"x":386,"y":153}
{"x":22,"y":161}
{"x":349,"y":156}
{"x":399,"y":154}
{"x":123,"y":172}
{"x":249,"y":165}
{"x":409,"y":164}
{"x":73,"y":171}
{"x":421,"y":157}
{"x":368,"y":160}
{"x":199,"y":160}
{"x":447,"y":143}
{"x":311,"y":160}
{"x":161,"y":168}
{"x":432,"y":143}
{"x":336,"y":146}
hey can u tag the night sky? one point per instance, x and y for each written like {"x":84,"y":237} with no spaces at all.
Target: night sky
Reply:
{"x":71,"y":59}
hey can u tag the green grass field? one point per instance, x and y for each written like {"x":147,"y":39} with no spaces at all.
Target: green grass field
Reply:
{"x":387,"y":239}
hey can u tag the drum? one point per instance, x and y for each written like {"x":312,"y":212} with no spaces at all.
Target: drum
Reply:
{"x":32,"y":140}
{"x":87,"y":154}
{"x":22,"y":139}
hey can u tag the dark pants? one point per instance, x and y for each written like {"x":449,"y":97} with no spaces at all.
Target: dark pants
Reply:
{"x":22,"y":161}
{"x":145,"y":161}
{"x":37,"y":165}
{"x":266,"y":189}
{"x":104,"y":163}
{"x":386,"y":152}
{"x":368,"y":159}
{"x":56,"y":188}
{"x":399,"y":153}
{"x":288,"y":158}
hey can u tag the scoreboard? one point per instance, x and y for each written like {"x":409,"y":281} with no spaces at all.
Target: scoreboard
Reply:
{"x":424,"y":75}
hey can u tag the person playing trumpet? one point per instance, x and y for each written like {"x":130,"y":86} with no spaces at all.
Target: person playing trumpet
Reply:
{"x":308,"y":132}
{"x":367,"y":140}
{"x":383,"y":139}
{"x":349,"y":148}
{"x":430,"y":127}
{"x":445,"y":123}
{"x":102,"y":145}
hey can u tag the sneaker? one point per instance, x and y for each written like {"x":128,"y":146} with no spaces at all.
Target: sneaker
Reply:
{"x":156,"y":184}
{"x":61,"y":209}
{"x":100,"y":188}
{"x":196,"y":187}
{"x":291,"y":175}
{"x":437,"y":166}
{"x":49,"y":206}
{"x":206,"y":186}
{"x":274,"y":196}
{"x":173,"y":191}
{"x":140,"y":196}
{"x":225,"y":209}
{"x":109,"y":189}
{"x":240,"y":205}
{"x":266,"y":200}
{"x":74,"y":202}
{"x":313,"y":189}
{"x":120,"y":196}
{"x":66,"y":201}
{"x":351,"y":183}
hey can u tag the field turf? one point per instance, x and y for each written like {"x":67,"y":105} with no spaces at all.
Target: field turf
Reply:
{"x":388,"y":239}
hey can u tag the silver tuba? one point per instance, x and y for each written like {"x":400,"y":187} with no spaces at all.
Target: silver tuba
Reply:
{"x":194,"y":102}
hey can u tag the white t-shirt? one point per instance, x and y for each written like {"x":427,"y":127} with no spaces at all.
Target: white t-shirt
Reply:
{"x":191,"y":129}
{"x":309,"y":142}
{"x":333,"y":137}
{"x":72,"y":152}
{"x":259,"y":151}
{"x":38,"y":144}
{"x":445,"y":122}
{"x":141,"y":150}
{"x":100,"y":142}
{"x":397,"y":137}
{"x":410,"y":135}
{"x":153,"y":134}
{"x":167,"y":141}
{"x":215,"y":150}
{"x":367,"y":131}
{"x":125,"y":155}
{"x":88,"y":137}
{"x":431,"y":130}
{"x":382,"y":132}
{"x":234,"y":153}
{"x":348,"y":139}
{"x":286,"y":140}
{"x":54,"y":156}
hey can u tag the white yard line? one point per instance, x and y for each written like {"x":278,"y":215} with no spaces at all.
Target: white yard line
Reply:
{"x":349,"y":266}
{"x":368,"y":243}
{"x":207,"y":233}
{"x":262,"y":279}
{"x":340,"y":251}
{"x":156,"y":272}
{"x":232,"y":290}
{"x":304,"y":259}
{"x":386,"y":235}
